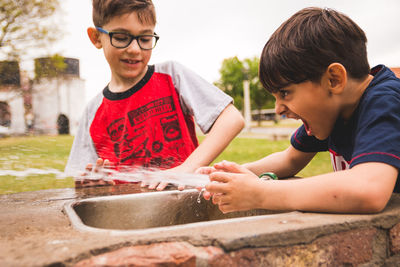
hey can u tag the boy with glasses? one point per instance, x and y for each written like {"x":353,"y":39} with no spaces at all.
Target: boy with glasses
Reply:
{"x":315,"y":65}
{"x":144,"y":116}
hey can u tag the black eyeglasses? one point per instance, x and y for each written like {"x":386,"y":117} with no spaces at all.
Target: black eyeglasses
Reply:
{"x":123,"y":39}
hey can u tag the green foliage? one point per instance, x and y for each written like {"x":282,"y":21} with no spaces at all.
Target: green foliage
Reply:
{"x":49,"y":67}
{"x":24,"y":24}
{"x":233,"y":72}
{"x":231,"y":81}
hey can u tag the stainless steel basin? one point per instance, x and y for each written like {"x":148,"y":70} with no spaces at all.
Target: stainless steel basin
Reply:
{"x":147,"y":210}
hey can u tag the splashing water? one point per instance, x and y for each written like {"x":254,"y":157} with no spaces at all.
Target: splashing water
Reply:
{"x":152,"y":176}
{"x":199,"y":196}
{"x":33,"y":171}
{"x":148,"y":176}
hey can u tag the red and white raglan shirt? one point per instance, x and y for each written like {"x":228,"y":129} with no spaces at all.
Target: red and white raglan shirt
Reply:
{"x":150,"y":125}
{"x":373,"y":132}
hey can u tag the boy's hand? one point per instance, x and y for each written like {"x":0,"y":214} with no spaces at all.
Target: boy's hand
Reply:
{"x":205,"y":170}
{"x":100,"y":170}
{"x":160,"y":185}
{"x":233,"y":187}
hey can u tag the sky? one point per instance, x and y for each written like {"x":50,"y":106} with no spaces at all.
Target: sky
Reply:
{"x":201,"y":34}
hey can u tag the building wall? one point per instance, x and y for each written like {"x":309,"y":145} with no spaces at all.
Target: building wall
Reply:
{"x":55,"y":96}
{"x":16,"y":103}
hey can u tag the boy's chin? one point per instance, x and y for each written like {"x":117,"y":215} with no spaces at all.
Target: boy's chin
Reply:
{"x":320,"y":136}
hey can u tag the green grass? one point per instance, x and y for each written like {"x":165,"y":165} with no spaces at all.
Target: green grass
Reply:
{"x":39,"y":152}
{"x":51,"y":152}
{"x":243,"y":150}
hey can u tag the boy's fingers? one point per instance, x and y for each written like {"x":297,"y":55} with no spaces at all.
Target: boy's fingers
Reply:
{"x":99,"y":162}
{"x":181,"y":187}
{"x":225,"y":208}
{"x":110,"y":182}
{"x":98,"y":165}
{"x":221,"y":177}
{"x":89,"y":167}
{"x":207,"y":195}
{"x":205,"y":170}
{"x":153,"y":185}
{"x":228,"y":166}
{"x":107,"y":164}
{"x":161,"y":186}
{"x":216,"y":188}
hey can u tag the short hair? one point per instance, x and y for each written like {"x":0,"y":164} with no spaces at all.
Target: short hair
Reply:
{"x":304,"y":46}
{"x":105,"y":10}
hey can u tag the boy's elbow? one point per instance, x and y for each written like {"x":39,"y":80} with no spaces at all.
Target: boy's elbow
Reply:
{"x":240,"y":122}
{"x":374,"y":202}
{"x":239,"y":119}
{"x":235,"y":117}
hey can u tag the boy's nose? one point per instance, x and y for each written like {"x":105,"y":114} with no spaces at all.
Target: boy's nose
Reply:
{"x":134,"y":46}
{"x":280,"y":109}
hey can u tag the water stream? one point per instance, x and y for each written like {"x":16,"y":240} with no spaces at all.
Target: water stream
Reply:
{"x":148,"y":176}
{"x":152,"y":176}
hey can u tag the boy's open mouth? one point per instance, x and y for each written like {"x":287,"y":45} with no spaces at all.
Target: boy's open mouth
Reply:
{"x":306,"y":126}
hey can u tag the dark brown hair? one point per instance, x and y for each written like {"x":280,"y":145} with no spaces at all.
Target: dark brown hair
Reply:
{"x":105,"y":10}
{"x":304,"y":46}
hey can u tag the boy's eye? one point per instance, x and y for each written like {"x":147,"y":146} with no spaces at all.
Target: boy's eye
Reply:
{"x":120,"y":37}
{"x":146,"y":39}
{"x":283,"y":93}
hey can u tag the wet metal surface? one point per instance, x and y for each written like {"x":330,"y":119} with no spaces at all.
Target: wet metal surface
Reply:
{"x":142,"y":211}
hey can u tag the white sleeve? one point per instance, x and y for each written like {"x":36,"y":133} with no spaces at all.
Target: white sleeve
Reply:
{"x":83,"y":150}
{"x":198,"y":97}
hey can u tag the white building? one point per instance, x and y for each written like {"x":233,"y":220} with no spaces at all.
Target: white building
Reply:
{"x":48,"y":105}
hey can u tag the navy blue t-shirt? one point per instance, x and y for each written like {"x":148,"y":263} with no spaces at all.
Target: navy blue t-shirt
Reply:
{"x":373,"y":132}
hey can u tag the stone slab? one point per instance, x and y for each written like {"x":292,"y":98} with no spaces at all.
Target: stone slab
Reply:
{"x":34,"y":231}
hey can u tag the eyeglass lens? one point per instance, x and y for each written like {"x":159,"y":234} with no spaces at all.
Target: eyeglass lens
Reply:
{"x":122,"y":40}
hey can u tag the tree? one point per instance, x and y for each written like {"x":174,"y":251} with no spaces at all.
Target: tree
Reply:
{"x":24,"y":24}
{"x":231,"y":81}
{"x":49,"y":67}
{"x":233,"y":72}
{"x":260,"y":98}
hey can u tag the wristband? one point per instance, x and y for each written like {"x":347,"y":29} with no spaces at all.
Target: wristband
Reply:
{"x":268,"y":176}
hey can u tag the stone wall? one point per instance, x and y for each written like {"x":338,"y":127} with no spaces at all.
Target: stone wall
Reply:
{"x":367,"y":246}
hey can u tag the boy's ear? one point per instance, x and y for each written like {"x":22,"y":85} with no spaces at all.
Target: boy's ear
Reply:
{"x":94,"y":37}
{"x":337,"y":78}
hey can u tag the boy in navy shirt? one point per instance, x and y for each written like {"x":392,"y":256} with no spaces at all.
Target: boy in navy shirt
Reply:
{"x":315,"y":65}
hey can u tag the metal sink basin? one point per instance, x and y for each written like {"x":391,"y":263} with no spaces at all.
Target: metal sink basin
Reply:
{"x":147,"y":210}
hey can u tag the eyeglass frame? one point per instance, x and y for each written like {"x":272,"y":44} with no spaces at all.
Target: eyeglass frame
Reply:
{"x":133,"y":37}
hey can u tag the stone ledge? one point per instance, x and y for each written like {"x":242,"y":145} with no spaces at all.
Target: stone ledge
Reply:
{"x":35,"y":232}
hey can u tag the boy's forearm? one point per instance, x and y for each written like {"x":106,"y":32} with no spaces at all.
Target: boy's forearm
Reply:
{"x":226,"y":127}
{"x":364,"y":189}
{"x":285,"y":163}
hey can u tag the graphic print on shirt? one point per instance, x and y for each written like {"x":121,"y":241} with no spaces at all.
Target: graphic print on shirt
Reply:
{"x":171,"y":129}
{"x":338,"y":161}
{"x":131,"y":140}
{"x":154,"y":108}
